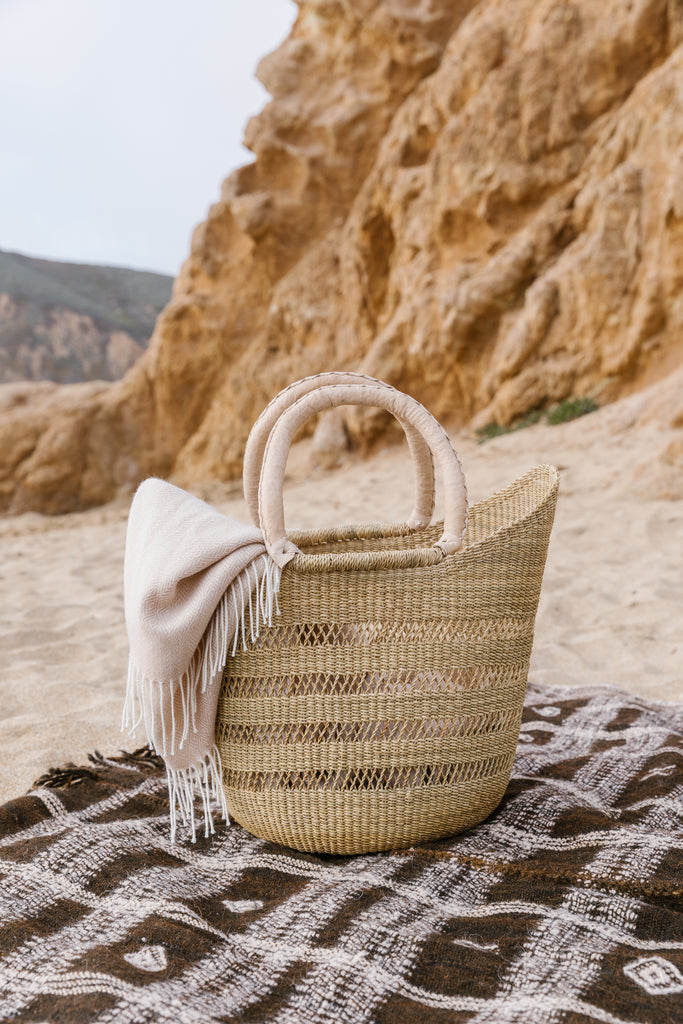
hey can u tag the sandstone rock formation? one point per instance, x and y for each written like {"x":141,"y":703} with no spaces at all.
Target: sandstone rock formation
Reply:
{"x":478,"y":202}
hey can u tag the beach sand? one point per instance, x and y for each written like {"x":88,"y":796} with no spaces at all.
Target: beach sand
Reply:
{"x":610,"y":611}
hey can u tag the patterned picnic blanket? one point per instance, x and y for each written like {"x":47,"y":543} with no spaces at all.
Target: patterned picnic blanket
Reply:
{"x":565,"y":905}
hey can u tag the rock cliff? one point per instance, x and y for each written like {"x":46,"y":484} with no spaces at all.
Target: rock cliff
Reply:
{"x":480,"y":202}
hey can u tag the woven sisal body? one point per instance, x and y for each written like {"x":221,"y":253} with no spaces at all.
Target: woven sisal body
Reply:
{"x":383,"y":707}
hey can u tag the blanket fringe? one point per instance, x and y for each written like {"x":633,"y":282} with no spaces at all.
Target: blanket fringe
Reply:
{"x":253,"y":599}
{"x":204,"y":779}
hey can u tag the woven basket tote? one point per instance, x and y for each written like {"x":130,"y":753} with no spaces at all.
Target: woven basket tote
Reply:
{"x":382,"y":708}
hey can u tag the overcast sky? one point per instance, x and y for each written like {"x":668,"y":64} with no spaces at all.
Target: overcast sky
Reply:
{"x":120,"y":118}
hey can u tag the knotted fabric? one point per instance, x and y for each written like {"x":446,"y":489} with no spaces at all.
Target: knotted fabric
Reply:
{"x":196,"y":583}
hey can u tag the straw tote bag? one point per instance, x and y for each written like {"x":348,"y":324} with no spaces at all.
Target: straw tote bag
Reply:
{"x":382,"y":708}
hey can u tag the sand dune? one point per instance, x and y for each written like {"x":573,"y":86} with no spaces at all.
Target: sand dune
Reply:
{"x":610,"y":610}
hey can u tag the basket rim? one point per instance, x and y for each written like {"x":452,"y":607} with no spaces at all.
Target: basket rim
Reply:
{"x":413,"y":558}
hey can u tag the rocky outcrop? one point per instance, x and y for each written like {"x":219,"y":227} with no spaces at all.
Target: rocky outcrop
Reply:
{"x":478,"y":204}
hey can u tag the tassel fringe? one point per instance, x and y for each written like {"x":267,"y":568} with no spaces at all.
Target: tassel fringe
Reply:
{"x":204,"y":780}
{"x":252,"y":608}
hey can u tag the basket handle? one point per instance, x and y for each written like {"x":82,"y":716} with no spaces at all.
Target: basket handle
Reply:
{"x":404,"y":408}
{"x":258,"y":438}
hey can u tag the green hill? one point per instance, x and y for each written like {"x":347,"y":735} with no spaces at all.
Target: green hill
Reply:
{"x":70,"y":322}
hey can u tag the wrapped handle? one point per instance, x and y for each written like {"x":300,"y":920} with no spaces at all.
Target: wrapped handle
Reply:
{"x":258,"y":438}
{"x":405,"y":409}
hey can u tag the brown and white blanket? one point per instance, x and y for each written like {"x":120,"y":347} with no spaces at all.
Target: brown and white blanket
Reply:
{"x":566,"y":905}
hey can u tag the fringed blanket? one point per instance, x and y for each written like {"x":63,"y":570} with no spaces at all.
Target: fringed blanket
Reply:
{"x":566,"y":905}
{"x":196,"y":583}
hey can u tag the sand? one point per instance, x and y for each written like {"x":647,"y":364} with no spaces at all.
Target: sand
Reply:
{"x":610,"y":612}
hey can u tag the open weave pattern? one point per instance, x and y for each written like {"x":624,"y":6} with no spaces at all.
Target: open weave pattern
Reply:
{"x":564,"y":907}
{"x":382,"y":706}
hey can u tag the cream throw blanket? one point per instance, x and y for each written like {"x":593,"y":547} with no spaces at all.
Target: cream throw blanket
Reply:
{"x":195,"y":584}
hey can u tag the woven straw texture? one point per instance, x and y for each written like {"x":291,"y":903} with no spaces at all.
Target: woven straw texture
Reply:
{"x":383,"y":706}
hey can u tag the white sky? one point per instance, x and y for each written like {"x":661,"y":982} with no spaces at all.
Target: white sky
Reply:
{"x":120,"y":118}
